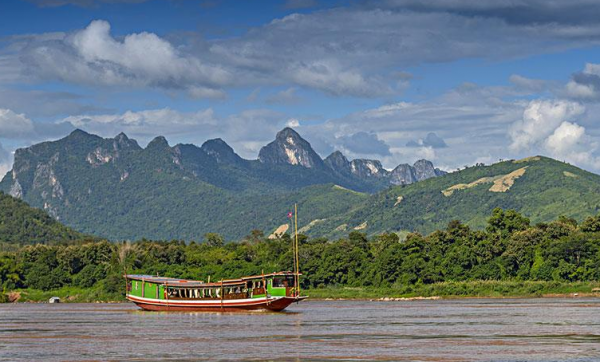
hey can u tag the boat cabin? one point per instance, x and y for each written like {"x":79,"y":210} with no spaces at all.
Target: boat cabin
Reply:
{"x":279,"y":284}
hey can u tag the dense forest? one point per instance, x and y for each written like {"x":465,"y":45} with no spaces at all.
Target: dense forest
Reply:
{"x":509,"y":249}
{"x":539,"y":187}
{"x":22,"y":224}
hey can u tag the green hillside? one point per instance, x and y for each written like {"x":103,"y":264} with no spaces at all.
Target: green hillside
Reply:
{"x":195,"y":210}
{"x":21,"y":224}
{"x":541,"y":188}
{"x":146,"y":193}
{"x":115,"y":189}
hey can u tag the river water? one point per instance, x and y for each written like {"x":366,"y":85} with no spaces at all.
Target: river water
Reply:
{"x":442,"y":330}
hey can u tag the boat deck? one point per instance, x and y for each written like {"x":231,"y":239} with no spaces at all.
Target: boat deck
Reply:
{"x":198,"y":283}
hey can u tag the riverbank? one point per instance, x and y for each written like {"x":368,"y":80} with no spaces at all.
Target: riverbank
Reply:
{"x":445,"y":290}
{"x":471,"y":289}
{"x":66,"y":295}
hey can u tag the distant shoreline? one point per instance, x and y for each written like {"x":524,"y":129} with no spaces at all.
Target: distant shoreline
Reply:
{"x":460,"y":290}
{"x":418,"y":298}
{"x":438,"y":291}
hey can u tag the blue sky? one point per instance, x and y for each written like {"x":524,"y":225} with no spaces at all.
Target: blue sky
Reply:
{"x":374,"y":79}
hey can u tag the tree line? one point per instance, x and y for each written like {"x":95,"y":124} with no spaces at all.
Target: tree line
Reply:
{"x":509,"y":248}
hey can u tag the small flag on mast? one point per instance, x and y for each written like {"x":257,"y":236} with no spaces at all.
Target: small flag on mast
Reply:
{"x":290,"y":214}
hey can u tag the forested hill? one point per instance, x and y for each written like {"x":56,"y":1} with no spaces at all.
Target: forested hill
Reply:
{"x":538,"y":187}
{"x":113,"y":188}
{"x":21,"y":224}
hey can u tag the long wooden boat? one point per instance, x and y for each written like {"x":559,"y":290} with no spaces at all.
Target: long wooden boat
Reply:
{"x":273,"y":292}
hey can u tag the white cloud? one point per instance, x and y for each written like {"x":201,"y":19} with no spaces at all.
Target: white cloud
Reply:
{"x":147,"y":123}
{"x":5,"y":161}
{"x":192,"y":127}
{"x":578,"y":90}
{"x":585,"y":85}
{"x":431,"y":140}
{"x":14,"y":125}
{"x":343,"y":51}
{"x":473,"y":121}
{"x":569,"y":142}
{"x":591,"y":68}
{"x":548,"y":126}
{"x":293,"y":122}
{"x":565,"y":138}
{"x":93,"y":56}
{"x":540,"y":119}
{"x":412,"y":154}
{"x":330,"y":77}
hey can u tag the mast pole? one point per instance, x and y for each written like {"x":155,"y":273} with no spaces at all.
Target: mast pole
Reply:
{"x":294,"y":250}
{"x":167,"y":293}
{"x":264,"y":281}
{"x":126,"y":281}
{"x":297,"y":258}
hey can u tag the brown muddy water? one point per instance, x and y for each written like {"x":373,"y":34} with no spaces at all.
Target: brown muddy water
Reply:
{"x":440,"y":330}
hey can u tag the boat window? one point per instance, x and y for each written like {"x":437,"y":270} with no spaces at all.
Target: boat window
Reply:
{"x":279,"y":282}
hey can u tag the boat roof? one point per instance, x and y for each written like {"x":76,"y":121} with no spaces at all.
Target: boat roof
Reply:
{"x":198,"y":283}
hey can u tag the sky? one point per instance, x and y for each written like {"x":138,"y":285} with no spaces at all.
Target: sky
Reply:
{"x":457,"y":82}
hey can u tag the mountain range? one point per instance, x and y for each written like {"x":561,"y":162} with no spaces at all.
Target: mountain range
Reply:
{"x":116,"y":189}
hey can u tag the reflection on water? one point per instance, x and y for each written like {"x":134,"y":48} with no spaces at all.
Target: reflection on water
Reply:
{"x":465,"y":330}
